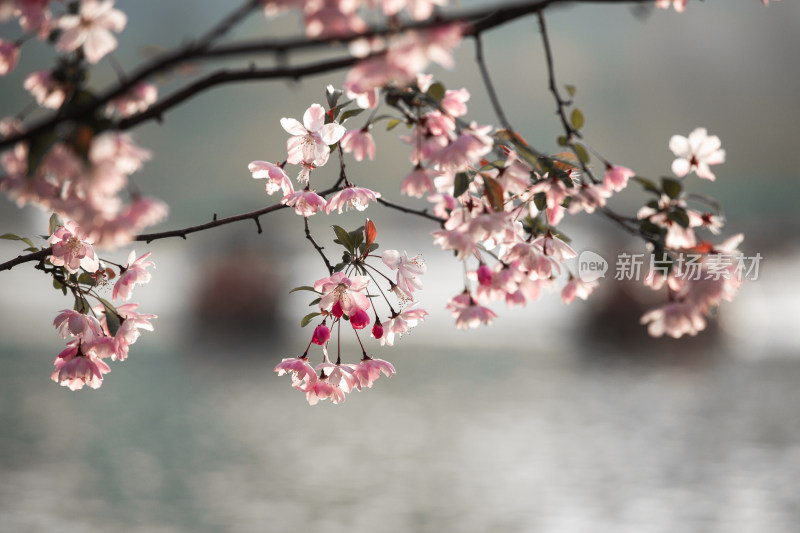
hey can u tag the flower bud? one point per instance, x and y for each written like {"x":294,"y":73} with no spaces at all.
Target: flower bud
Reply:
{"x":321,"y":335}
{"x":360,"y":319}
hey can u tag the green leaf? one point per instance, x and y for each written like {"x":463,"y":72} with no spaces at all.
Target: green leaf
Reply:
{"x":540,"y":201}
{"x":343,"y":238}
{"x":649,"y":229}
{"x":647,"y":184}
{"x":332,"y":97}
{"x":562,"y":141}
{"x":461,"y":184}
{"x":339,"y":267}
{"x":54,"y":223}
{"x":356,"y":237}
{"x":571,"y":90}
{"x":315,"y":301}
{"x":671,"y":187}
{"x":57,"y":284}
{"x":577,"y":119}
{"x":31,"y":249}
{"x":308,"y":318}
{"x":10,"y":237}
{"x":392,"y":124}
{"x":86,"y":279}
{"x":436,"y":91}
{"x":679,"y":216}
{"x":38,"y":148}
{"x":350,"y":113}
{"x":373,"y":247}
{"x":303,"y":288}
{"x":112,"y":317}
{"x":581,"y":152}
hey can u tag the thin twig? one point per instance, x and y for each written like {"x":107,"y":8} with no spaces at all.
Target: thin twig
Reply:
{"x":487,"y":81}
{"x":569,"y":132}
{"x":318,"y":247}
{"x":419,"y":212}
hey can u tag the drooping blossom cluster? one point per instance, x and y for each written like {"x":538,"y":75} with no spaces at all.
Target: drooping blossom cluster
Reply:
{"x":84,"y":181}
{"x":498,"y":200}
{"x":82,"y":172}
{"x":347,"y":301}
{"x":99,"y":332}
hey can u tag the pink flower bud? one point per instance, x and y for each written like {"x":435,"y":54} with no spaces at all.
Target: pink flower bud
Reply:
{"x":377,"y":330}
{"x":484,"y":275}
{"x":360,"y":319}
{"x":321,"y":335}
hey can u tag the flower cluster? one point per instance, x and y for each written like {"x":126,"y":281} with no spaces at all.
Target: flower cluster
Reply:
{"x":309,"y":147}
{"x":96,"y":332}
{"x":346,"y":299}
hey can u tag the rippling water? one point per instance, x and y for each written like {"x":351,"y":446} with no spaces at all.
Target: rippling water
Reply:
{"x":457,"y":441}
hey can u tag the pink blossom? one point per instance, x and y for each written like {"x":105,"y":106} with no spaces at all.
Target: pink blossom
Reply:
{"x":458,"y":240}
{"x":340,"y":289}
{"x":321,"y":335}
{"x":128,"y":333}
{"x":339,"y":375}
{"x":617,"y":177}
{"x":417,"y":183}
{"x":303,"y":375}
{"x":679,"y":5}
{"x":134,"y":273}
{"x":696,"y":153}
{"x":72,"y":323}
{"x":408,"y":270}
{"x":674,"y":319}
{"x":576,"y":288}
{"x":74,"y":369}
{"x":360,"y":142}
{"x":48,"y":92}
{"x":9,"y":54}
{"x":469,"y":314}
{"x":305,"y":202}
{"x":277,"y":180}
{"x":311,"y":140}
{"x":401,"y":322}
{"x":333,"y":19}
{"x":138,"y":99}
{"x":355,"y":197}
{"x":359,"y":319}
{"x":116,"y":152}
{"x":455,"y":102}
{"x":72,"y":250}
{"x":466,"y":150}
{"x":321,"y":389}
{"x":369,"y":370}
{"x":91,"y":29}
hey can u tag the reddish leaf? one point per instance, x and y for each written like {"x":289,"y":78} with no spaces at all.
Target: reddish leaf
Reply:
{"x":494,"y":192}
{"x":370,"y":232}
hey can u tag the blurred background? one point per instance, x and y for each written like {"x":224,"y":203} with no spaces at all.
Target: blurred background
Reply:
{"x":563,"y":419}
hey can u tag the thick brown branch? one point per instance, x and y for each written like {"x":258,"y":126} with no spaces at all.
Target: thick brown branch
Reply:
{"x":480,"y":20}
{"x":233,"y":76}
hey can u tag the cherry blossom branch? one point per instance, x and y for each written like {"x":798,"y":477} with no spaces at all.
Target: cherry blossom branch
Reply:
{"x":419,"y":212}
{"x":481,"y":20}
{"x":231,"y":76}
{"x":216,"y":222}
